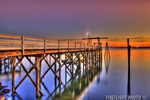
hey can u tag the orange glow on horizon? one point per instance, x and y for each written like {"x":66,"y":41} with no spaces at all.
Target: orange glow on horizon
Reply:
{"x":133,"y":43}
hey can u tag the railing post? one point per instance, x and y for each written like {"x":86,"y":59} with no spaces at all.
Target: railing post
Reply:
{"x":75,"y":46}
{"x":44,"y":46}
{"x":68,"y":45}
{"x":58,"y":46}
{"x":80,"y":46}
{"x":22,"y":45}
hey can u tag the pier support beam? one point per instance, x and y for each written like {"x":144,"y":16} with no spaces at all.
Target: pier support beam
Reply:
{"x":60,"y":62}
{"x":80,"y":61}
{"x":100,"y":56}
{"x":96,"y":58}
{"x":65,"y":69}
{"x":55,"y":69}
{"x":92,"y":57}
{"x":38,"y":71}
{"x":87,"y":59}
{"x":13,"y":75}
{"x":72,"y":59}
{"x":1,"y":64}
{"x":60,"y":82}
{"x":84,"y":61}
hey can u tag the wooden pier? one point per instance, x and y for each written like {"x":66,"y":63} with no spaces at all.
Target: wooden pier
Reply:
{"x":20,"y":47}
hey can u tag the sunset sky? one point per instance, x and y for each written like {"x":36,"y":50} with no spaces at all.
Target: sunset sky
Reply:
{"x":64,"y":19}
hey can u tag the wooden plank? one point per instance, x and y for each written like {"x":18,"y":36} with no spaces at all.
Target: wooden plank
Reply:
{"x":10,"y":45}
{"x":32,"y":38}
{"x":9,"y":36}
{"x":33,"y":52}
{"x":22,"y":43}
{"x":44,"y":45}
{"x":34,"y":48}
{"x":49,"y":43}
{"x":49,"y":40}
{"x":34,"y":42}
{"x":6,"y":49}
{"x":10,"y":41}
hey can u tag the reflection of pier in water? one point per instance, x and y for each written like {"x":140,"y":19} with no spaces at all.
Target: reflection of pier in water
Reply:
{"x":76,"y":87}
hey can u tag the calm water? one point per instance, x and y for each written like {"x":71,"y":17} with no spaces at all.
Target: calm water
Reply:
{"x":94,"y":84}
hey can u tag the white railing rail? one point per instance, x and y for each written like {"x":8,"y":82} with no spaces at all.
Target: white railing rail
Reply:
{"x":11,"y":42}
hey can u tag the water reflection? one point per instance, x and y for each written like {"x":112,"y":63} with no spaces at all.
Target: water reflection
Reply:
{"x":76,"y":86}
{"x":101,"y":84}
{"x":107,"y":57}
{"x":107,"y":62}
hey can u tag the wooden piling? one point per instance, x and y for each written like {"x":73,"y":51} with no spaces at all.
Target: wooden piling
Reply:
{"x":84,"y":61}
{"x":129,"y":50}
{"x":100,"y":56}
{"x":60,"y":82}
{"x":1,"y":64}
{"x":38,"y":65}
{"x":55,"y":68}
{"x":60,"y":62}
{"x":80,"y":61}
{"x":87,"y":59}
{"x":72,"y":59}
{"x":95,"y":58}
{"x":92,"y":52}
{"x":13,"y":74}
{"x":65,"y":68}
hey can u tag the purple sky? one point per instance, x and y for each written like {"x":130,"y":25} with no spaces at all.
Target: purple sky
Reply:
{"x":73,"y":19}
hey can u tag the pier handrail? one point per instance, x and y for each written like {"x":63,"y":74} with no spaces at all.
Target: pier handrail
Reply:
{"x":13,"y":42}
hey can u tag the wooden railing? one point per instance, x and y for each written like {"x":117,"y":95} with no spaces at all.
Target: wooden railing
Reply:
{"x":12,"y":42}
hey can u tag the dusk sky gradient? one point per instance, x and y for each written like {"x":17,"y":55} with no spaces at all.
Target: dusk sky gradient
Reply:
{"x":63,"y":19}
